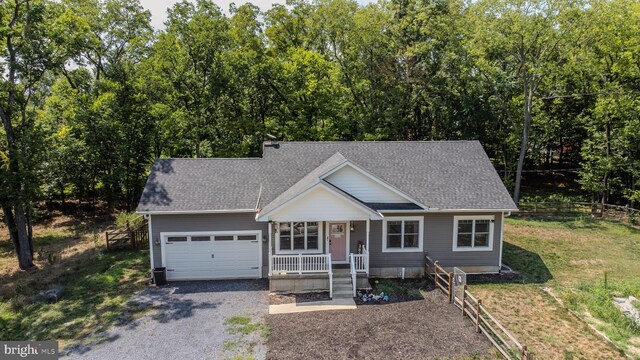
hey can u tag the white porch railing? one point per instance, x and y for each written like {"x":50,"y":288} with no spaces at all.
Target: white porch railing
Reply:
{"x":352,"y":264}
{"x":359,"y":263}
{"x":330,"y":276}
{"x":300,"y":264}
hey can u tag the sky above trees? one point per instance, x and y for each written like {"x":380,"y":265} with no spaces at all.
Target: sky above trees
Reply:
{"x":159,"y":8}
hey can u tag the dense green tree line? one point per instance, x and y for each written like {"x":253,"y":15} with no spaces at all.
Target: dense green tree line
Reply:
{"x":90,"y":95}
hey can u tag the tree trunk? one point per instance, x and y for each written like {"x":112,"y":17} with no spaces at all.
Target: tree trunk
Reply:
{"x":605,"y":181}
{"x":633,"y":190}
{"x":25,"y":257}
{"x":528,"y":100}
{"x":197,"y":144}
{"x":548,"y":158}
{"x":11,"y":225}
{"x":16,"y":219}
{"x":561,"y":155}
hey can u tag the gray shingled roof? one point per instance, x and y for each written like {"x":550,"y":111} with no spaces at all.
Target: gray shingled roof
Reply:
{"x":308,"y":181}
{"x":439,"y":174}
{"x":201,"y":184}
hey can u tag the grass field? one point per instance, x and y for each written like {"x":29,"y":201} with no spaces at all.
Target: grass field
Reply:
{"x":97,"y":285}
{"x":565,"y":263}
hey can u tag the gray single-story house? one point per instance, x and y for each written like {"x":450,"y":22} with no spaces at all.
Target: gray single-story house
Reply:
{"x":327,"y":215}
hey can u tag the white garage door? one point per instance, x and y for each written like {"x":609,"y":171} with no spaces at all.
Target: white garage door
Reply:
{"x":229,"y":255}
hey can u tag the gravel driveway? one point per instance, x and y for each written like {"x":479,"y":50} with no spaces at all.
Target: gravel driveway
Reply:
{"x":187,"y":320}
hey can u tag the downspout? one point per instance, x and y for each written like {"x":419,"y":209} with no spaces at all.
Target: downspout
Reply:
{"x":368,"y":252}
{"x":269,"y":225}
{"x":148,"y":217}
{"x":501,"y":240}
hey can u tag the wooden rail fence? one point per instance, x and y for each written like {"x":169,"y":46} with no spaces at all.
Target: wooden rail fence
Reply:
{"x":474,"y":310}
{"x":485,"y":323}
{"x":442,"y":279}
{"x":133,"y":236}
{"x":616,"y":212}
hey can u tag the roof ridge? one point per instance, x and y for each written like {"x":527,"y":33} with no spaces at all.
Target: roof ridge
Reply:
{"x":379,"y":141}
{"x":212,"y":158}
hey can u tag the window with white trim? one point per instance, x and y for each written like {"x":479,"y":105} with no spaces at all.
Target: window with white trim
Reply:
{"x":298,"y":236}
{"x":473,"y":233}
{"x":402,"y":234}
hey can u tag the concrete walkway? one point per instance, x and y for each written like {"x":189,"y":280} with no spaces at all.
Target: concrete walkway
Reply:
{"x":335,"y":304}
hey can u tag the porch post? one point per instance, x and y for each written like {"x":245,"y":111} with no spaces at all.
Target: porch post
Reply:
{"x":368,"y":226}
{"x":270,"y":225}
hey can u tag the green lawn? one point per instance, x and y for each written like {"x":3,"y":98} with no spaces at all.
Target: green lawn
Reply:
{"x":97,"y":285}
{"x":577,"y":263}
{"x":93,"y":298}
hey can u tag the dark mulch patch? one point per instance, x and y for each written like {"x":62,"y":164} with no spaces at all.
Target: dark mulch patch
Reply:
{"x":277,"y":299}
{"x":396,"y":290}
{"x":424,"y":329}
{"x":502,"y":277}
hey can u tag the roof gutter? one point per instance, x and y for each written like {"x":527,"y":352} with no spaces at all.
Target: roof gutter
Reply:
{"x":469,"y":210}
{"x":181,"y":212}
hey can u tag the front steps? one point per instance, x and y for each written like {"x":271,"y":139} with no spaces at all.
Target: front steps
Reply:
{"x":342,"y":285}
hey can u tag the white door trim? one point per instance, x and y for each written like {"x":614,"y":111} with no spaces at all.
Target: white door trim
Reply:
{"x":258,"y":233}
{"x":347,"y":230}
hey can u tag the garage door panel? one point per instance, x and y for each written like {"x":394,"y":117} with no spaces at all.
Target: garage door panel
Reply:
{"x":232,"y":258}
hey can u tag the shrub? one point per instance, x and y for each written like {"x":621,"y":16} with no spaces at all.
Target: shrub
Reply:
{"x":598,"y":301}
{"x":633,"y":217}
{"x":127,"y":217}
{"x":386,"y":286}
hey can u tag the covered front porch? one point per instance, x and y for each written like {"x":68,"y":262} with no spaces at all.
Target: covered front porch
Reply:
{"x":318,"y":239}
{"x":330,"y":255}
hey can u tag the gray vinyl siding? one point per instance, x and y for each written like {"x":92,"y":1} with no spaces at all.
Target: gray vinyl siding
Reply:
{"x":359,"y":234}
{"x":205,"y":222}
{"x":438,"y":238}
{"x":439,"y":242}
{"x":388,"y":259}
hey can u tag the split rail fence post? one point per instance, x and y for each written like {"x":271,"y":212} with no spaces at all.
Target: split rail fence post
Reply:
{"x":478,"y":304}
{"x":106,"y":233}
{"x":450,"y":287}
{"x":524,"y":353}
{"x":464,"y":296}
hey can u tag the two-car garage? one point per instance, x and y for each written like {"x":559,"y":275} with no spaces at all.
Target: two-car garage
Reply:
{"x":212,"y":255}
